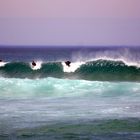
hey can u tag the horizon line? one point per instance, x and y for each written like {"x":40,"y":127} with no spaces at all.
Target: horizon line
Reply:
{"x":49,"y":46}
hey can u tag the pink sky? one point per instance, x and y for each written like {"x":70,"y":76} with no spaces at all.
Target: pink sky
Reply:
{"x":70,"y":22}
{"x":70,"y":8}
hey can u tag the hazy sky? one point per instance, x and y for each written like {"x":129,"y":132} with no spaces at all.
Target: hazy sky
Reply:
{"x":70,"y":22}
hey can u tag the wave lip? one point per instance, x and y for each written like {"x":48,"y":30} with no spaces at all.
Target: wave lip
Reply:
{"x":102,"y":70}
{"x":73,"y":66}
{"x":2,"y":64}
{"x":38,"y":65}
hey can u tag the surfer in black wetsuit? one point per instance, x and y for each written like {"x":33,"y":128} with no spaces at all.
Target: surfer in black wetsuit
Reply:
{"x":68,"y":63}
{"x":0,"y":60}
{"x":33,"y":63}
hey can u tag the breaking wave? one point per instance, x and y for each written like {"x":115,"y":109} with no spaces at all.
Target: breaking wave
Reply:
{"x":102,"y":70}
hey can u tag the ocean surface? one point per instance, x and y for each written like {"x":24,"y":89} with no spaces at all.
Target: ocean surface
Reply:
{"x":96,"y":98}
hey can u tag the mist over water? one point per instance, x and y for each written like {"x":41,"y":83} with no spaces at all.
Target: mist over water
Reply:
{"x":129,"y":54}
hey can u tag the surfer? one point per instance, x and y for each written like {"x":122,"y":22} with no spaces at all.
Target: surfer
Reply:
{"x":68,"y":63}
{"x":33,"y":63}
{"x":0,"y":60}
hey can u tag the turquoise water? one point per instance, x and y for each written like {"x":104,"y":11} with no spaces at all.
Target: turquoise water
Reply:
{"x":53,"y":87}
{"x":38,"y":108}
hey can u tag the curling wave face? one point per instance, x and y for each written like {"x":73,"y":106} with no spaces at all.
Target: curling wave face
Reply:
{"x":102,"y":70}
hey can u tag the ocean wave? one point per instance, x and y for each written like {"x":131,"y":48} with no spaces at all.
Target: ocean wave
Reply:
{"x":100,"y":69}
